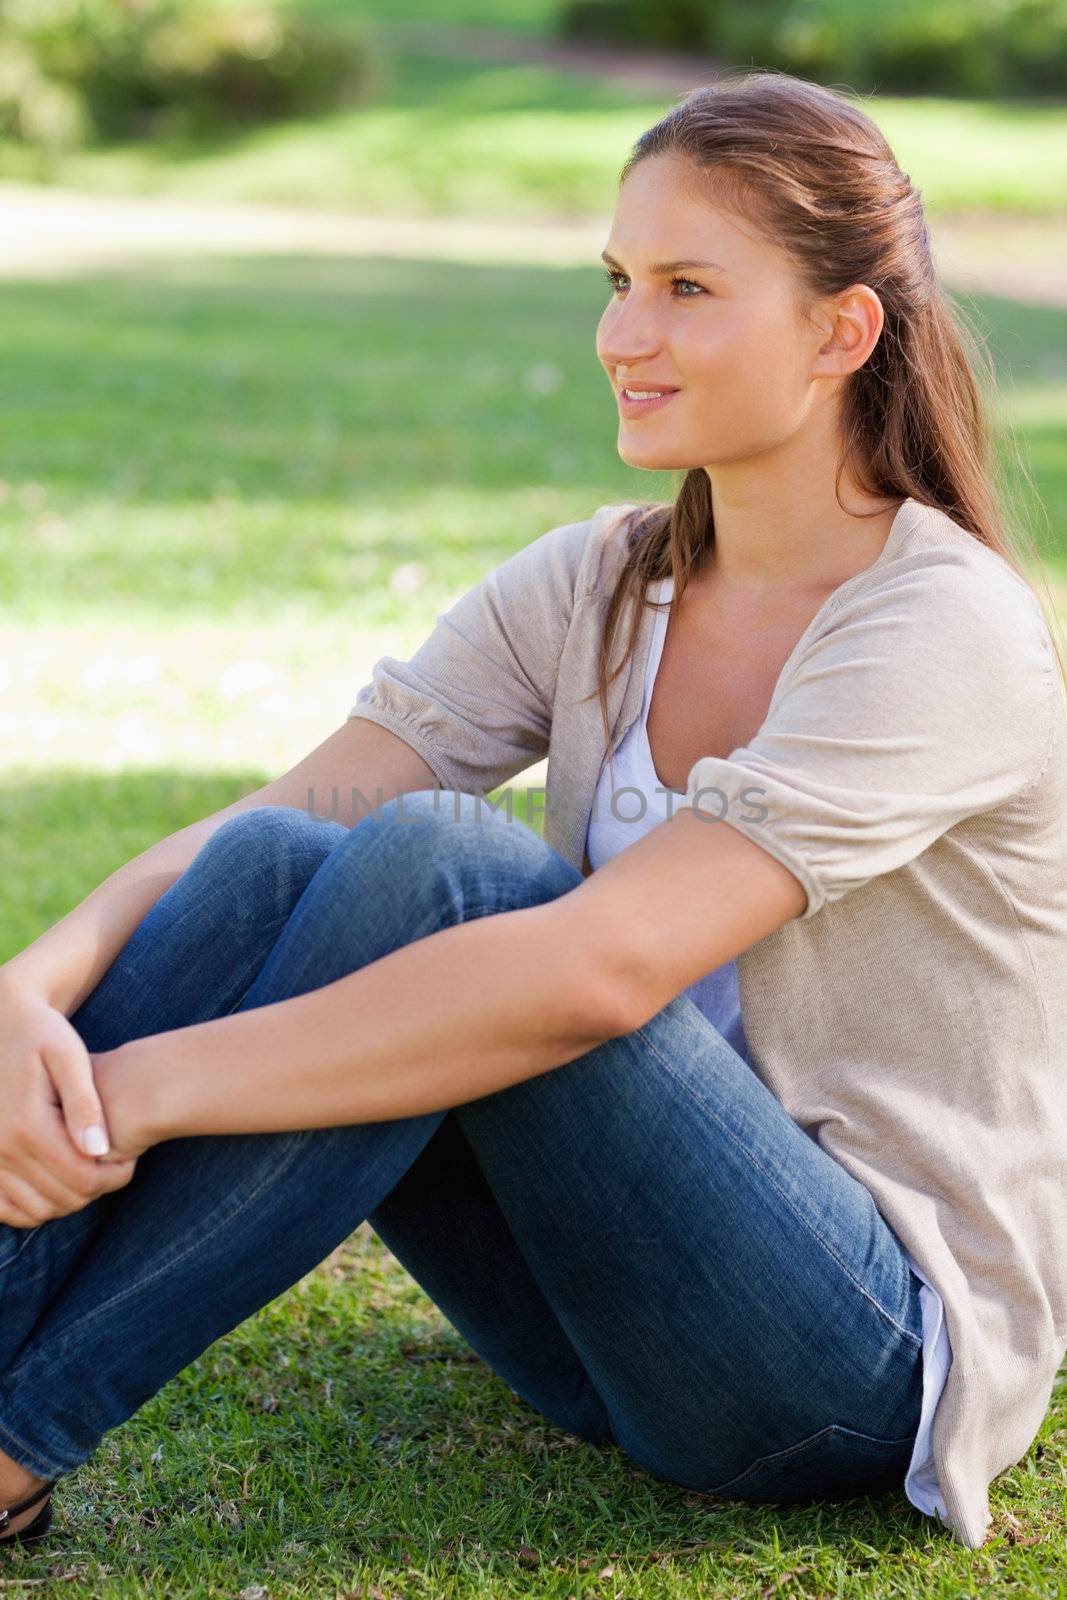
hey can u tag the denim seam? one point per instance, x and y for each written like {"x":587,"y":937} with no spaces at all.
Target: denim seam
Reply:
{"x":29,"y":1233}
{"x":787,"y":1457}
{"x":912,"y":1338}
{"x":76,"y":1240}
{"x":125,"y":1294}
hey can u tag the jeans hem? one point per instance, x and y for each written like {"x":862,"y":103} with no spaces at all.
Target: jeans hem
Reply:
{"x":28,"y":1458}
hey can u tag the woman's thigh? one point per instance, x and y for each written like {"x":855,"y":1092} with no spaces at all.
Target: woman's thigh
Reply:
{"x":731,"y":1290}
{"x":646,"y":1245}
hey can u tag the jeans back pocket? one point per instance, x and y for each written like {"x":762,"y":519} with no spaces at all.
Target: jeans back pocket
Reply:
{"x":834,"y":1464}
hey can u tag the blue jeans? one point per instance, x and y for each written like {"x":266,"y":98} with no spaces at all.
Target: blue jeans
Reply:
{"x":641,"y":1242}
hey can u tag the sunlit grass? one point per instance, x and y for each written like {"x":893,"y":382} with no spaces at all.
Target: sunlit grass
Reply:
{"x":238,"y":440}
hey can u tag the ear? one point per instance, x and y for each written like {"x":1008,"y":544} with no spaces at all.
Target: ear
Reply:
{"x":851,"y":322}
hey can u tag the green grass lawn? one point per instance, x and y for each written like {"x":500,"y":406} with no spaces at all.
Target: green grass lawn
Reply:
{"x":225,"y":488}
{"x":446,"y":136}
{"x":536,"y":18}
{"x":242,"y":439}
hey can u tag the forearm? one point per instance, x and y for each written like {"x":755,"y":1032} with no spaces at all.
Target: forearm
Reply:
{"x":436,"y":1023}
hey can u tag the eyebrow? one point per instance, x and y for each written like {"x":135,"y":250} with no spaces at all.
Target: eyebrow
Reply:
{"x":663,"y":268}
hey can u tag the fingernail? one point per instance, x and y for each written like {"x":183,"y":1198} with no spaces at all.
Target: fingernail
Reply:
{"x":95,"y":1140}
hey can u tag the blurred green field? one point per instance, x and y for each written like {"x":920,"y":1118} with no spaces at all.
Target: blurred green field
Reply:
{"x":246,"y":439}
{"x":231,"y":438}
{"x":534,"y":18}
{"x":449,"y":136}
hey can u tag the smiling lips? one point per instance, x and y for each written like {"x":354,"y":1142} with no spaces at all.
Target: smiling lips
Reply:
{"x":646,"y":386}
{"x":638,"y":401}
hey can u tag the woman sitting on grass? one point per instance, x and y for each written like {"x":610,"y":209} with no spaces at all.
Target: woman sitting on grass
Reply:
{"x":741,"y":1148}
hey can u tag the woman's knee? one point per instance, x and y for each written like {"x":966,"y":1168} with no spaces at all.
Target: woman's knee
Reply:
{"x":276,"y":826}
{"x":275,"y":850}
{"x":460,"y":849}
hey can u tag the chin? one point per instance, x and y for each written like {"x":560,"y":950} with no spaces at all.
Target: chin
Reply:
{"x":652,"y":459}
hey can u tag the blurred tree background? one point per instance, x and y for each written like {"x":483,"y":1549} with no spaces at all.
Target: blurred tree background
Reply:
{"x":299,"y":300}
{"x":79,"y":72}
{"x":956,"y":47}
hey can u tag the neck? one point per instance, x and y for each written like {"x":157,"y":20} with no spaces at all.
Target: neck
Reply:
{"x":779,"y":527}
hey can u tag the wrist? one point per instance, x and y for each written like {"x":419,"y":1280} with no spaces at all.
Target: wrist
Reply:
{"x":134,"y":1097}
{"x":19,"y":975}
{"x":16,"y":980}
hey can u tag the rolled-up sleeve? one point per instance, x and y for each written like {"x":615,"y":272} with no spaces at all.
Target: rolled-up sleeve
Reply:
{"x":476,"y":698}
{"x":919,"y":702}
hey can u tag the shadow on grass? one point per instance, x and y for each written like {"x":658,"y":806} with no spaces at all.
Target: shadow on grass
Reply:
{"x":62,"y":833}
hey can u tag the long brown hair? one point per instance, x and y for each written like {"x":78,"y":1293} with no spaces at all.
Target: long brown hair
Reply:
{"x":820,"y":179}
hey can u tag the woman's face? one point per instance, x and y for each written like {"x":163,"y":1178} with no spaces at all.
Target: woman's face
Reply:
{"x":728,"y":338}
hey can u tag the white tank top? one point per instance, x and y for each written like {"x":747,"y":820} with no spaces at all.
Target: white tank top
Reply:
{"x":629,"y":800}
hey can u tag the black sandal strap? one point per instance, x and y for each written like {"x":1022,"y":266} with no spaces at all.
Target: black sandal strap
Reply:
{"x":24,"y":1505}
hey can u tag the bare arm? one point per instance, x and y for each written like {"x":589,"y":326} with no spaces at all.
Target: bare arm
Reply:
{"x":503,"y":998}
{"x":67,"y":961}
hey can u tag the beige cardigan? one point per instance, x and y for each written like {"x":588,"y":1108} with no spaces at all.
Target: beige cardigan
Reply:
{"x":912,"y":773}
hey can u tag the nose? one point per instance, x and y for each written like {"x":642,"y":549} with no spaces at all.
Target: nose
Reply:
{"x":627,"y":337}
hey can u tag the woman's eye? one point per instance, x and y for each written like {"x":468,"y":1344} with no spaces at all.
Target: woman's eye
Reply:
{"x":613,"y":280}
